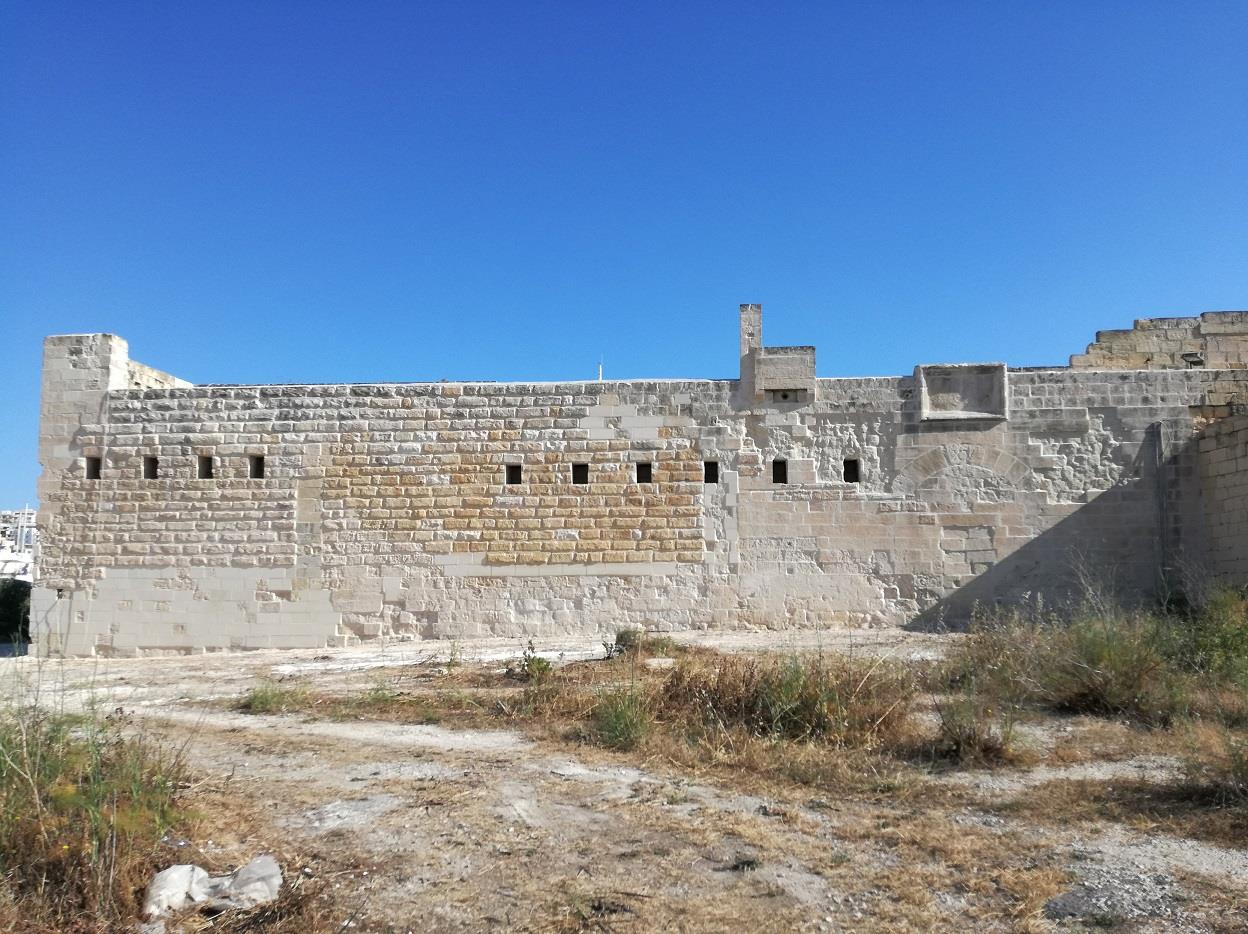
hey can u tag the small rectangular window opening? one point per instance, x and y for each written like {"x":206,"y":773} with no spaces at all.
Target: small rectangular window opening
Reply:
{"x":93,"y":467}
{"x":852,"y":472}
{"x":255,"y":466}
{"x":151,"y":468}
{"x":515,"y":474}
{"x":779,"y":471}
{"x":710,"y":471}
{"x":645,"y":473}
{"x":580,"y":473}
{"x":203,"y":467}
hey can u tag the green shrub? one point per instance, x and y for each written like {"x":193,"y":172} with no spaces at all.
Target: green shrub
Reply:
{"x":1002,"y":657}
{"x":533,"y":667}
{"x":622,"y":717}
{"x":379,"y":694}
{"x":1107,"y":663}
{"x":628,"y":640}
{"x":637,"y":643}
{"x":1113,"y":664}
{"x":271,"y":697}
{"x":1213,"y":639}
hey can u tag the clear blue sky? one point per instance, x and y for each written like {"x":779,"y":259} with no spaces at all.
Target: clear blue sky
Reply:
{"x":354,"y":191}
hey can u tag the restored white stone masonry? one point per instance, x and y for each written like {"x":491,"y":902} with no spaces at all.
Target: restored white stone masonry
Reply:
{"x":179,"y":518}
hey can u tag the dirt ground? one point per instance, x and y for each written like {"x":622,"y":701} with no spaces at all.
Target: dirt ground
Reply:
{"x":429,"y":827}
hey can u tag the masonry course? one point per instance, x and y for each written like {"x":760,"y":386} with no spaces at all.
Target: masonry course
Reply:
{"x":384,"y":511}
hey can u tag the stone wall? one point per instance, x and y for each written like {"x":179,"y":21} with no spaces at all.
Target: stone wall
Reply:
{"x":341,"y":513}
{"x":1216,"y":339}
{"x":1223,"y":447}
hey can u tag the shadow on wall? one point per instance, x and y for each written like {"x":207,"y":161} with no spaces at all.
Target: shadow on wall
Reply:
{"x":1121,"y":545}
{"x":14,"y":617}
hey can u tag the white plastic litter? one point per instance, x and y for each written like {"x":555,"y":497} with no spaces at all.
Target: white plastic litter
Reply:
{"x":175,"y":888}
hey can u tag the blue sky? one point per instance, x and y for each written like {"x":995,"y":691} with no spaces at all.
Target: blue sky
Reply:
{"x":354,"y":191}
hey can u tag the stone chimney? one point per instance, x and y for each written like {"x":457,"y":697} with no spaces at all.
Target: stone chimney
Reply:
{"x":751,"y":344}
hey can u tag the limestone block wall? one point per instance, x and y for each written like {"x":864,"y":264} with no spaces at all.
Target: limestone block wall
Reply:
{"x":1215,"y":339}
{"x":1223,"y":458}
{"x":233,"y":517}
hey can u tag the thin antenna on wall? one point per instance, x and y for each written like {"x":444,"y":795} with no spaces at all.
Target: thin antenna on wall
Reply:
{"x":600,"y":369}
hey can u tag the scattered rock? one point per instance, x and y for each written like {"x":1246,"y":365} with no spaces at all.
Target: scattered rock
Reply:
{"x":181,"y":886}
{"x":1110,"y":895}
{"x":658,"y":664}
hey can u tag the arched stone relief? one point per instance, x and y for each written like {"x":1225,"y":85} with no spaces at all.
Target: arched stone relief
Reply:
{"x":963,"y":472}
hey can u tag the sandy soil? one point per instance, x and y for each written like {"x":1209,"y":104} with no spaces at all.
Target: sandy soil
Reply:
{"x":426,"y":828}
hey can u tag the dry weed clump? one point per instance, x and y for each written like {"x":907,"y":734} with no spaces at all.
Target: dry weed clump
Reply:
{"x":836,"y":698}
{"x":84,"y":805}
{"x":974,"y":732}
{"x":639,"y":644}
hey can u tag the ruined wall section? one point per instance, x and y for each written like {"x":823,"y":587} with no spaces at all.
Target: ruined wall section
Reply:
{"x":1216,"y":340}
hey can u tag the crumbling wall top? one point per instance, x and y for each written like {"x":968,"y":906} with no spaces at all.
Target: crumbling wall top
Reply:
{"x":1216,"y":340}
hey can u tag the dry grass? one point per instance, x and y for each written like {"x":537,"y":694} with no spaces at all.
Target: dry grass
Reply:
{"x":90,"y":808}
{"x":1095,"y":739}
{"x":829,"y":721}
{"x":1180,"y":809}
{"x":1218,"y":765}
{"x":84,"y":805}
{"x":859,"y":740}
{"x":834,"y":698}
{"x":848,"y":729}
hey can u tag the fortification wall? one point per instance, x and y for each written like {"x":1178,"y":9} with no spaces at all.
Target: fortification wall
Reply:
{"x":349,"y":512}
